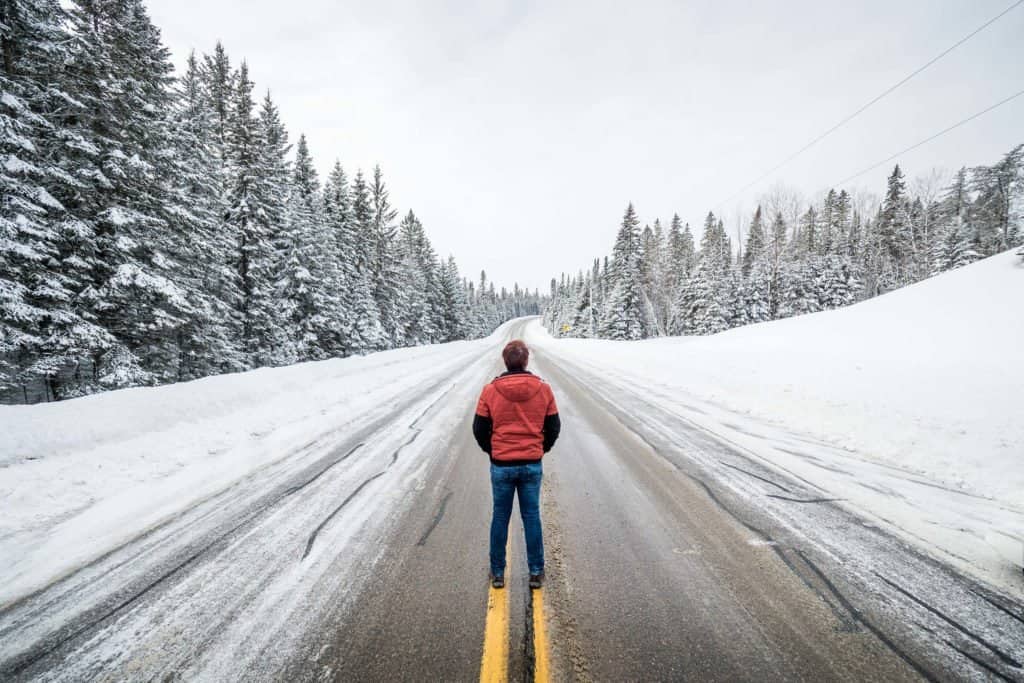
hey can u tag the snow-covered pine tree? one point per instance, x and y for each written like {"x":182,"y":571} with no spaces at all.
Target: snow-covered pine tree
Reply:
{"x":416,"y":271}
{"x":430,"y":266}
{"x":383,"y":259}
{"x":755,"y":292}
{"x":339,"y":233}
{"x":624,"y":312}
{"x":756,"y":243}
{"x":705,"y":299}
{"x":453,"y":301}
{"x":42,"y":334}
{"x":302,"y":292}
{"x":893,"y":230}
{"x":279,"y":176}
{"x":997,"y":209}
{"x":250,"y":195}
{"x":681,"y":265}
{"x":596,"y":298}
{"x":827,"y":225}
{"x":655,"y":257}
{"x":481,"y":306}
{"x":209,"y":339}
{"x":956,"y":243}
{"x":583,"y":317}
{"x":121,"y":74}
{"x":366,"y":333}
{"x":220,"y":81}
{"x":798,"y":294}
{"x":807,"y":237}
{"x":836,"y":284}
{"x":839,"y":225}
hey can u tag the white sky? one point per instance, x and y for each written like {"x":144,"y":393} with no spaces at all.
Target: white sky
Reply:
{"x":518,"y":131}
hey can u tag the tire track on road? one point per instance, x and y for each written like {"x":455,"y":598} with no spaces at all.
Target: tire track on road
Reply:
{"x":52,"y":642}
{"x":394,"y":458}
{"x":813,"y":577}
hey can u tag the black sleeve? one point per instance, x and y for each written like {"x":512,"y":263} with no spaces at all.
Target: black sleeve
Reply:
{"x":552,"y":426}
{"x":482,"y":427}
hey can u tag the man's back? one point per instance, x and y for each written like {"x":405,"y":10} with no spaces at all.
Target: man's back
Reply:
{"x":522,"y":411}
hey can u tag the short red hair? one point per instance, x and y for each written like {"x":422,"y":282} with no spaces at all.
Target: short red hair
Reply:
{"x":515,"y":355}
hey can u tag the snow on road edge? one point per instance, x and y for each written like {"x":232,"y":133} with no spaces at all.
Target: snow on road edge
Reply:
{"x":83,"y":476}
{"x":919,"y":385}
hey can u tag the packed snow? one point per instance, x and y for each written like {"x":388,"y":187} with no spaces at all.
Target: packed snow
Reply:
{"x":908,"y":406}
{"x":83,"y":476}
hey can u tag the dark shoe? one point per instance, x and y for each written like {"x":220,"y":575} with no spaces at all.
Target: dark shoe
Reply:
{"x":497,"y":581}
{"x":536,"y":580}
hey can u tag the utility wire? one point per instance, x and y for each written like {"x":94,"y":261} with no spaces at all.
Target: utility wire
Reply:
{"x":872,"y":102}
{"x":927,"y":140}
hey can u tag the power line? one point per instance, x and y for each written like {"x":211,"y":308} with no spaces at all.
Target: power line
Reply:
{"x":872,"y":102}
{"x":927,"y":140}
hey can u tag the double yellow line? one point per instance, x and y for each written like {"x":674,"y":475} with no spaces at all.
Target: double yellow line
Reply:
{"x":494,"y":663}
{"x":541,"y":666}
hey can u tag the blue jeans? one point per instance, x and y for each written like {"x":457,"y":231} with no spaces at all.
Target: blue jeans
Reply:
{"x":505,"y":482}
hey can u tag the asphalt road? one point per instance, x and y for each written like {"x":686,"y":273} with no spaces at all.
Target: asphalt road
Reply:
{"x":665,"y":558}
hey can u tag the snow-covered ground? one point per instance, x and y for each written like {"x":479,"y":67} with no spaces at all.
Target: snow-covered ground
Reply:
{"x":908,"y":407}
{"x":81,"y":477}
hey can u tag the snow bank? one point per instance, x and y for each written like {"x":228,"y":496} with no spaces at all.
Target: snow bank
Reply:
{"x":80,"y":477}
{"x":928,"y":379}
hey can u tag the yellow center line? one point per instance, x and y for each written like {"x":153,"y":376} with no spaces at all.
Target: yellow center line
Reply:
{"x":541,"y":666}
{"x":494,"y":664}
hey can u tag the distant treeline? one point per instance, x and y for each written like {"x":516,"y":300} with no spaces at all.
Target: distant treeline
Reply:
{"x":156,"y":229}
{"x":797,"y":258}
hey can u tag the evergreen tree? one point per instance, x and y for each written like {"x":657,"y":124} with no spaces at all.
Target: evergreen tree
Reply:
{"x":416,"y":272}
{"x":956,"y":243}
{"x":453,"y":302}
{"x":365,"y":332}
{"x":221,"y":81}
{"x":707,"y":296}
{"x":208,"y":341}
{"x":893,"y":230}
{"x":654,"y":262}
{"x":278,"y":177}
{"x":807,"y":238}
{"x":302,"y":288}
{"x":42,"y":333}
{"x":756,"y":243}
{"x":996,"y":210}
{"x":383,"y":261}
{"x":340,"y":241}
{"x":250,"y":195}
{"x":118,"y":69}
{"x":840,"y":227}
{"x":624,"y":313}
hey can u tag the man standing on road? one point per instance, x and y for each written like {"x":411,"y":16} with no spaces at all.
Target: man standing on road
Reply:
{"x":516,"y":423}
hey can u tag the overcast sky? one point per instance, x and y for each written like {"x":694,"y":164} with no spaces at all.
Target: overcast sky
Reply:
{"x":518,"y":131}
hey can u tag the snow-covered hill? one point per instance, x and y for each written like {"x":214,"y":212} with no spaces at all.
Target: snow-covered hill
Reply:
{"x":927,"y":380}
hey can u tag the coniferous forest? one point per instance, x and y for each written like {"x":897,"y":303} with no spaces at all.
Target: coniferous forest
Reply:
{"x":796,"y":257}
{"x":157,"y":227}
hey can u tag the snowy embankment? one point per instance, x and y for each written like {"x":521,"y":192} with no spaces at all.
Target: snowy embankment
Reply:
{"x":81,"y":477}
{"x":909,"y":406}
